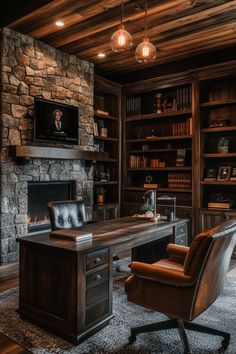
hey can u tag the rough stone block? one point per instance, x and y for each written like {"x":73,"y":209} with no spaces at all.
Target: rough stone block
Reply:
{"x":23,"y":89}
{"x":35,"y":90}
{"x":19,"y":72}
{"x":18,"y":111}
{"x":8,"y":98}
{"x":26,"y":100}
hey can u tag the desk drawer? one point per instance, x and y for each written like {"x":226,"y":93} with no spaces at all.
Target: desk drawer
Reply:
{"x":97,"y":312}
{"x":181,"y":240}
{"x":97,"y":277}
{"x":97,"y":294}
{"x":180,"y":229}
{"x":95,"y":259}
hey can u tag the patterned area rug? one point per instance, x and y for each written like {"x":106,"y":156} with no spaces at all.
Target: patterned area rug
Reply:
{"x":114,"y":337}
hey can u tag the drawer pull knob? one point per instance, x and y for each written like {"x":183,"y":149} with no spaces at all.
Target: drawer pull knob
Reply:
{"x":98,"y":277}
{"x":97,"y":260}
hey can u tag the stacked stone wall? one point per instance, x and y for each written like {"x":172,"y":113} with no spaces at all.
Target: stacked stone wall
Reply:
{"x":29,"y":69}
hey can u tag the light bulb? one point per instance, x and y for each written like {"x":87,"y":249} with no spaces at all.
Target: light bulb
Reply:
{"x":145,"y":52}
{"x":121,"y":40}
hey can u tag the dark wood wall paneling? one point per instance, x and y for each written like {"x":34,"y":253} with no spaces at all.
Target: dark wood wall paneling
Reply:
{"x":179,"y":28}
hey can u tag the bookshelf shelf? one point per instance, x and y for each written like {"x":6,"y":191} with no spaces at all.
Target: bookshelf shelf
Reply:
{"x":219,"y":155}
{"x":177,"y":190}
{"x":115,"y":140}
{"x":107,"y":183}
{"x":150,"y":151}
{"x":101,"y":116}
{"x":219,"y":129}
{"x":219,"y":103}
{"x":171,"y":168}
{"x":160,"y":115}
{"x":217,"y":183}
{"x":160,"y":138}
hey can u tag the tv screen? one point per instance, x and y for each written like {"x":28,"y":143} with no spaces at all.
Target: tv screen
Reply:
{"x":56,"y":122}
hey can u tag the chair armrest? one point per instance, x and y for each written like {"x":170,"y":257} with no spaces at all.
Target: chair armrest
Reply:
{"x":177,"y":253}
{"x":163,"y":275}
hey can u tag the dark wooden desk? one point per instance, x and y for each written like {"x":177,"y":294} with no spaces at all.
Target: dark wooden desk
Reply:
{"x":66,"y":287}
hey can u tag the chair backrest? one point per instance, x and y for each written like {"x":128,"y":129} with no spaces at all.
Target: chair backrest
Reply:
{"x":208,"y":260}
{"x":66,"y":214}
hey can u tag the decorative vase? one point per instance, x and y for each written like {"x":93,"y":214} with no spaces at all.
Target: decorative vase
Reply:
{"x":223,"y":149}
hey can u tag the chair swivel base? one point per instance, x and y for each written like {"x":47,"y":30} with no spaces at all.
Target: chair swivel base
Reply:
{"x":181,"y":326}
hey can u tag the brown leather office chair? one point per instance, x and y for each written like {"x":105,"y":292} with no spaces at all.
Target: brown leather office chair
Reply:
{"x":185,"y":284}
{"x":66,"y":214}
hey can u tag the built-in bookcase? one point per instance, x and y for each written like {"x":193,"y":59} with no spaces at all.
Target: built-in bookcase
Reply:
{"x":107,"y":139}
{"x":218,"y":149}
{"x":158,"y":145}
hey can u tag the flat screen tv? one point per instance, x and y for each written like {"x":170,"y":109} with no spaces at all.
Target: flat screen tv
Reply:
{"x":55,"y":122}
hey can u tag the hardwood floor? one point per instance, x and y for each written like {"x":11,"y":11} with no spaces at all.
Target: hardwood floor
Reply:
{"x":7,"y":346}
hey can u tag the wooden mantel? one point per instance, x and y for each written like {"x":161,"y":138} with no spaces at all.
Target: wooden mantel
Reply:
{"x":25,"y":152}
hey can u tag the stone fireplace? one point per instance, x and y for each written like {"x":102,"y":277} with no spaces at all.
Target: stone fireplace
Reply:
{"x":31,"y":68}
{"x":39,"y":194}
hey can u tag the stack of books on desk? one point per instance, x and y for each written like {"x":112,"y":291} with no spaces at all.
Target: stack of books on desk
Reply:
{"x":72,"y":234}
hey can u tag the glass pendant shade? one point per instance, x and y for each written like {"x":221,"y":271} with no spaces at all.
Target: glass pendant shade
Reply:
{"x":121,"y":40}
{"x":145,"y":52}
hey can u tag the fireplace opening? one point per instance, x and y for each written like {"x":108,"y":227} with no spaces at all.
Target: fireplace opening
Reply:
{"x":39,"y":194}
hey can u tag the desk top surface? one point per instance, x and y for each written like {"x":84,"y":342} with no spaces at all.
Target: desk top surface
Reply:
{"x":107,"y":234}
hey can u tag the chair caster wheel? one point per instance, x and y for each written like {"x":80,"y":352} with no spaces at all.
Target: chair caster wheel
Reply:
{"x":223,"y":348}
{"x":132,"y":339}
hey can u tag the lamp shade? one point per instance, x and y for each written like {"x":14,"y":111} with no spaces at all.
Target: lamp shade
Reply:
{"x":145,"y":52}
{"x":121,"y":40}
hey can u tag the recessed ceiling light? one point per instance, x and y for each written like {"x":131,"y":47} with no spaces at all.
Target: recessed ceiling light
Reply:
{"x":59,"y":23}
{"x":101,"y":55}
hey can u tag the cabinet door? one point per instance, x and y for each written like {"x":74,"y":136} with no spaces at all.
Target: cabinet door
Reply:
{"x":211,"y":218}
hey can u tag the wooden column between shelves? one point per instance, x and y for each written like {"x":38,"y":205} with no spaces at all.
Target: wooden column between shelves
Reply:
{"x":196,"y":161}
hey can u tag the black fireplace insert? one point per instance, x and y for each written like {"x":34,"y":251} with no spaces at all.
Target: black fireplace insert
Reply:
{"x":39,"y":194}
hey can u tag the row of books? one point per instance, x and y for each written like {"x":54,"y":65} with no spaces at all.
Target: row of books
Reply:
{"x":179,"y":180}
{"x":133,"y":106}
{"x":182,"y":128}
{"x":184,"y":98}
{"x":136,"y":161}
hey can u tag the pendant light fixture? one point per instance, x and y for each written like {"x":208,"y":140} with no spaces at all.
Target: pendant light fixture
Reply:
{"x":145,"y":51}
{"x":121,"y":40}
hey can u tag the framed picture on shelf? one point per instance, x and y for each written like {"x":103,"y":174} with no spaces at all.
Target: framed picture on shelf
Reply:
{"x":224,"y":173}
{"x":233,"y":174}
{"x":211,"y":174}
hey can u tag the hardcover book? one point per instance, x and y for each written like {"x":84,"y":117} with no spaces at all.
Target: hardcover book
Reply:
{"x":72,"y":234}
{"x":220,"y":205}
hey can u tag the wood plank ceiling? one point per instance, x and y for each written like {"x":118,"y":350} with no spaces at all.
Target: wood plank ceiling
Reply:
{"x":178,"y":28}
